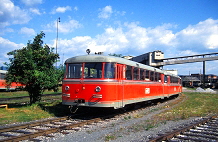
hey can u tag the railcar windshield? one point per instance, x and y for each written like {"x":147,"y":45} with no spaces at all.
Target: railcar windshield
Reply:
{"x":93,"y":70}
{"x":74,"y":71}
{"x":109,"y":70}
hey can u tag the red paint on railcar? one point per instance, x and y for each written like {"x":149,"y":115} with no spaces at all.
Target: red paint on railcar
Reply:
{"x":13,"y":86}
{"x":3,"y":85}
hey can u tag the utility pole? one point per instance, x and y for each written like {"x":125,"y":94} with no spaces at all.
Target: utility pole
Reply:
{"x":203,"y":74}
{"x":58,"y":20}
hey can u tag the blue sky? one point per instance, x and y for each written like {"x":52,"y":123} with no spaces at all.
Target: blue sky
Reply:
{"x":127,"y":27}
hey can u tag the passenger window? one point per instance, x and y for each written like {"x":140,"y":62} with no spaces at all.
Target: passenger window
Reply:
{"x":136,"y":73}
{"x":109,"y":70}
{"x":159,"y":77}
{"x":156,"y":76}
{"x":151,"y":75}
{"x":147,"y":75}
{"x":93,"y":70}
{"x":165,"y":78}
{"x":142,"y":74}
{"x":129,"y":72}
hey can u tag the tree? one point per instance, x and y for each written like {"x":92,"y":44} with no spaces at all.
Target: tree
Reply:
{"x":33,"y":66}
{"x":116,"y":55}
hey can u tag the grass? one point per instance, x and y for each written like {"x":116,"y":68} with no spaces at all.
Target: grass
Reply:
{"x":22,"y":114}
{"x":127,"y":117}
{"x":20,"y":110}
{"x":13,"y":94}
{"x":25,"y":113}
{"x":196,"y":105}
{"x":109,"y":137}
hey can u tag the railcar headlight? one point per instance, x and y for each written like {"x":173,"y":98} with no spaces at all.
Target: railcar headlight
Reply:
{"x":67,"y":88}
{"x":98,"y":89}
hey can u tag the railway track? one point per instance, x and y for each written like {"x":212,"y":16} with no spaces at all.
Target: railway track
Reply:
{"x":16,"y":98}
{"x":205,"y":130}
{"x":31,"y":131}
{"x":41,"y":128}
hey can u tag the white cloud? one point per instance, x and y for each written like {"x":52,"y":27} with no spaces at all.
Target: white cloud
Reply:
{"x":11,"y":14}
{"x":185,"y":53}
{"x":27,"y":31}
{"x":5,"y":47}
{"x":122,"y":13}
{"x":61,"y":9}
{"x":63,"y":27}
{"x":212,"y":41}
{"x":35,"y":11}
{"x":199,"y":37}
{"x":105,"y":12}
{"x":68,"y":27}
{"x":131,"y":38}
{"x":31,"y":2}
{"x":6,"y":30}
{"x":76,"y":45}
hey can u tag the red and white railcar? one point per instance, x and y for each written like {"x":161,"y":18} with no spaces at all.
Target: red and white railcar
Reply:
{"x":3,"y":85}
{"x":108,"y":81}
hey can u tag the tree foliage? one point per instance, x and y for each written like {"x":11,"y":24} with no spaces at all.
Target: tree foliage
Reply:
{"x":116,"y":55}
{"x":33,"y":66}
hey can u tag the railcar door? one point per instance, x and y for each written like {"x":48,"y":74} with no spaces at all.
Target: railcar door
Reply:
{"x":166,"y":85}
{"x":120,"y":87}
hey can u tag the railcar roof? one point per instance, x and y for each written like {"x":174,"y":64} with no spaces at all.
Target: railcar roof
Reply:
{"x":103,"y":58}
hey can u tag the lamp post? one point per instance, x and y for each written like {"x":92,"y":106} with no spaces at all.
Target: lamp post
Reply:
{"x":58,"y":20}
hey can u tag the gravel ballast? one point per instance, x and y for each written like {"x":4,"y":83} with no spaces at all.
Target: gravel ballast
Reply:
{"x":121,"y":129}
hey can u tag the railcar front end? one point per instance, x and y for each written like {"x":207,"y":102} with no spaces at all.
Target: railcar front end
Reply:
{"x":91,"y":84}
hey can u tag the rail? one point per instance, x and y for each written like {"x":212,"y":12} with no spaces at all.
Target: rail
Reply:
{"x":177,"y":132}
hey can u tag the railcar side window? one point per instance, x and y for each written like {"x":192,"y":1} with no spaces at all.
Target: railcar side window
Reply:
{"x":142,"y":74}
{"x":93,"y":70}
{"x":74,"y":71}
{"x":129,"y":72}
{"x":174,"y":79}
{"x":152,"y":75}
{"x":109,"y":70}
{"x":165,"y":78}
{"x":136,"y":73}
{"x":157,"y":77}
{"x":147,"y":75}
{"x":179,"y":81}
